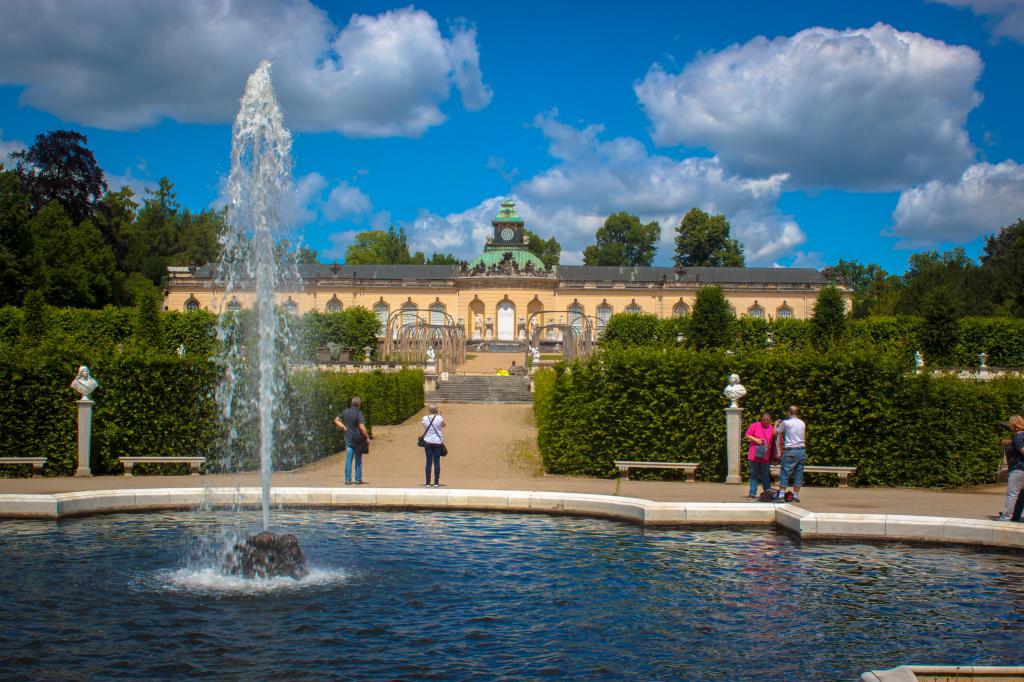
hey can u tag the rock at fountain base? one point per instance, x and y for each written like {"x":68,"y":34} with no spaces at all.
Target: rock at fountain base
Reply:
{"x":266,"y":555}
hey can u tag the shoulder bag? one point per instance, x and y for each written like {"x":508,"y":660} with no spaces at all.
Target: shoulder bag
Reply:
{"x":422,"y":443}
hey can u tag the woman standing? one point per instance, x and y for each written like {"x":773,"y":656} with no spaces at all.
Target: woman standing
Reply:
{"x":433,"y":443}
{"x":760,"y":436}
{"x":1013,"y":451}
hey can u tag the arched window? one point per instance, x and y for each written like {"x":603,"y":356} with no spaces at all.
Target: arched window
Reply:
{"x":408,"y":313}
{"x":680,"y":310}
{"x":233,"y":305}
{"x":633,"y":308}
{"x":437,"y":313}
{"x":381,"y":309}
{"x":755,"y":311}
{"x":604,"y":313}
{"x":191,"y":304}
{"x":784,"y":312}
{"x":333,"y":305}
{"x":576,"y":317}
{"x":290,"y":307}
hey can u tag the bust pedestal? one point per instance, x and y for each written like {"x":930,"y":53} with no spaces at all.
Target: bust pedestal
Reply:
{"x":84,"y":437}
{"x":733,"y":423}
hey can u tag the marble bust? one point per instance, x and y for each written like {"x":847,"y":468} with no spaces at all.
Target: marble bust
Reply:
{"x":84,"y":383}
{"x":734,"y":391}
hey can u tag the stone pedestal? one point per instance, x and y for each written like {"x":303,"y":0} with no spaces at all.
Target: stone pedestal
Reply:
{"x":84,"y":436}
{"x":733,"y":443}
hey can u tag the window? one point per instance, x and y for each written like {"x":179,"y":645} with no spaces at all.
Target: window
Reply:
{"x":381,"y":310}
{"x":408,"y":313}
{"x":576,"y":317}
{"x":191,"y":304}
{"x":604,"y":313}
{"x":633,"y":309}
{"x":234,"y":306}
{"x":755,"y":311}
{"x":680,"y":310}
{"x":437,"y":315}
{"x":784,"y":312}
{"x":290,"y":307}
{"x":333,"y":305}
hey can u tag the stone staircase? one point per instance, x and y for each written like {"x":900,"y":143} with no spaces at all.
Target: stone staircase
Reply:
{"x":482,"y":389}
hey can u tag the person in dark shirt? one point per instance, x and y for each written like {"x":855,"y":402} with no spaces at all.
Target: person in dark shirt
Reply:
{"x":1013,"y":451}
{"x":353,"y":424}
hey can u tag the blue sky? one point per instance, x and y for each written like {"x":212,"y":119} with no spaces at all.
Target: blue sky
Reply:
{"x":822,"y":130}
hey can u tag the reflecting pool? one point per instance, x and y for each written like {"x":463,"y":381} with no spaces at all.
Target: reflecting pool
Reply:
{"x":465,"y":595}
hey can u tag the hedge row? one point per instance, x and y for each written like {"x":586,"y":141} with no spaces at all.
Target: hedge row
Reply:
{"x":863,"y":408}
{"x":164,"y":404}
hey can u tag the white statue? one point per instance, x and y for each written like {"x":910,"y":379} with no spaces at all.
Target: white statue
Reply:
{"x":918,"y":359}
{"x":535,"y":351}
{"x":431,"y":356}
{"x":734,"y":391}
{"x":182,"y":351}
{"x":84,"y":383}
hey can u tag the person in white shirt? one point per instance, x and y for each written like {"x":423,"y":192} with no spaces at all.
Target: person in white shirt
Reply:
{"x":793,"y":432}
{"x":433,"y":440}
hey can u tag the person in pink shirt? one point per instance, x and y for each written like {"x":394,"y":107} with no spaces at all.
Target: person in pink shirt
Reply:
{"x":759,"y":454}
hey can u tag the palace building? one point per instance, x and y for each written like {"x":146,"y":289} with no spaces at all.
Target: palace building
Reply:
{"x":499,"y":292}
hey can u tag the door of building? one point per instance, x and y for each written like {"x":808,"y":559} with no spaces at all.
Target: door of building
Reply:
{"x":506,"y":321}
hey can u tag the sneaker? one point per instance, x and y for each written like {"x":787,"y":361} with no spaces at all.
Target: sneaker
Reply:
{"x":1002,"y":517}
{"x":348,"y":482}
{"x":796,"y":499}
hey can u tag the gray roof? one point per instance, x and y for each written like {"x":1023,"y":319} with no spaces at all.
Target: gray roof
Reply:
{"x":566,"y":273}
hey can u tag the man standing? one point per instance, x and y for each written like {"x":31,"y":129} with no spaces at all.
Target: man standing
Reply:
{"x":794,"y":454}
{"x":353,"y":424}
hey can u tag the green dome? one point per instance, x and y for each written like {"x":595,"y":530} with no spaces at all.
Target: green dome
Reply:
{"x":494,"y":256}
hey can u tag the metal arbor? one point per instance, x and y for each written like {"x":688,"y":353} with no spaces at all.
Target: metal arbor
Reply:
{"x":408,"y":335}
{"x":577,"y":334}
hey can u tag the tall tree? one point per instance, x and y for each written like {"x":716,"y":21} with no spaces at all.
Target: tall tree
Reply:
{"x":548,"y":250}
{"x":60,"y":167}
{"x":437,"y":258}
{"x":711,"y":325}
{"x":968,"y":285}
{"x":829,"y":319}
{"x":81,"y":270}
{"x":20,"y":269}
{"x":623,"y":240}
{"x":377,"y":247}
{"x":703,"y":240}
{"x":115,"y":215}
{"x":1003,"y":259}
{"x":875,"y":292}
{"x":940,"y":331}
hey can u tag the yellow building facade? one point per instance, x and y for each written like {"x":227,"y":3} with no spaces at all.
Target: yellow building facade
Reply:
{"x":507,"y":290}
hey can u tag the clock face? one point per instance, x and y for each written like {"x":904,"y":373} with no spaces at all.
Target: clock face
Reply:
{"x":507,"y":234}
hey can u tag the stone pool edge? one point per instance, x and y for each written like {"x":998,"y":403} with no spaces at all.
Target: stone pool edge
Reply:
{"x":802,"y":523}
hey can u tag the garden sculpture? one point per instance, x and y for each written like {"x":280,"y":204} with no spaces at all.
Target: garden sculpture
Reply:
{"x":734,"y":391}
{"x":84,"y":383}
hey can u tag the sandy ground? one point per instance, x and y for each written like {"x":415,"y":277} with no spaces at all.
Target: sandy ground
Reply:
{"x":494,"y":446}
{"x":489,"y":363}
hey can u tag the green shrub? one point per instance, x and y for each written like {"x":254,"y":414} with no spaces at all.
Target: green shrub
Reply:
{"x":862,"y":405}
{"x":713,"y":320}
{"x":633,"y":329}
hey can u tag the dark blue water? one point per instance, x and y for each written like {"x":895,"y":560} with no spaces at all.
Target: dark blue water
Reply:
{"x":472,"y":596}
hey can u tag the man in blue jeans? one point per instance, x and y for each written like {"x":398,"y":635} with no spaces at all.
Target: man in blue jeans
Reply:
{"x":794,"y":454}
{"x":353,"y":424}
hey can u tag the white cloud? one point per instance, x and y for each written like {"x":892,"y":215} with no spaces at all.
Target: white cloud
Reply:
{"x":986,"y":197}
{"x":128,"y":65}
{"x":8,"y":147}
{"x":1007,"y":15}
{"x":594,"y":178}
{"x":865,"y":109}
{"x":138,"y":186}
{"x":346,"y":201}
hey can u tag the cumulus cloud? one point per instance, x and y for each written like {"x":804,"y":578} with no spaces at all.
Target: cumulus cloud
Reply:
{"x":1006,"y":15}
{"x":8,"y":147}
{"x":594,"y":178}
{"x":346,"y":201}
{"x":859,"y":109}
{"x":986,"y":197}
{"x":138,"y":186}
{"x":128,"y":65}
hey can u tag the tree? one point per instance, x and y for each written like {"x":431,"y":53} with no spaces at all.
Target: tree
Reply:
{"x":147,"y":320}
{"x":81,"y":270}
{"x":1003,"y":259}
{"x":115,"y":215}
{"x":968,"y":285}
{"x":875,"y":292}
{"x":829,"y":320}
{"x":549,"y":251}
{"x":632,"y":329}
{"x":60,"y":167}
{"x":711,"y":325}
{"x":940,"y":332}
{"x":702,"y":240}
{"x":377,"y":247}
{"x":445,"y":259}
{"x":623,"y":240}
{"x":20,"y":270}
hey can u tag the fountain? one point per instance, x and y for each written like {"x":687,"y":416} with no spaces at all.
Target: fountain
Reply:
{"x":259,"y":183}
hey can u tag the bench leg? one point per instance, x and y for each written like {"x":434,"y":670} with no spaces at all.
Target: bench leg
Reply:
{"x":194,"y":467}
{"x":843,"y":478}
{"x":37,"y":469}
{"x":128,"y":468}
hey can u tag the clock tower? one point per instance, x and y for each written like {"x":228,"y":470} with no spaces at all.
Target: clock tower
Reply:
{"x":508,"y":226}
{"x":507,"y":252}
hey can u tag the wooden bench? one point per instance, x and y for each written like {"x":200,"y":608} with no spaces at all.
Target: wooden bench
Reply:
{"x":625,"y":466}
{"x":193,"y":462}
{"x":842,"y":472}
{"x":36,"y":462}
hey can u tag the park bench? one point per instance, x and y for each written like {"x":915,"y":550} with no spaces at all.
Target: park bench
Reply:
{"x":36,"y":462}
{"x":625,"y":466}
{"x":193,"y":462}
{"x":842,"y":472}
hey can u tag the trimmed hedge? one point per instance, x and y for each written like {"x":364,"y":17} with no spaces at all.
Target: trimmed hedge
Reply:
{"x":862,"y":406}
{"x":162,"y":404}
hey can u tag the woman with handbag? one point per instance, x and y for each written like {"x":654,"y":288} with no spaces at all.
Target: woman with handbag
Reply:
{"x":432,"y":442}
{"x":758,"y":455}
